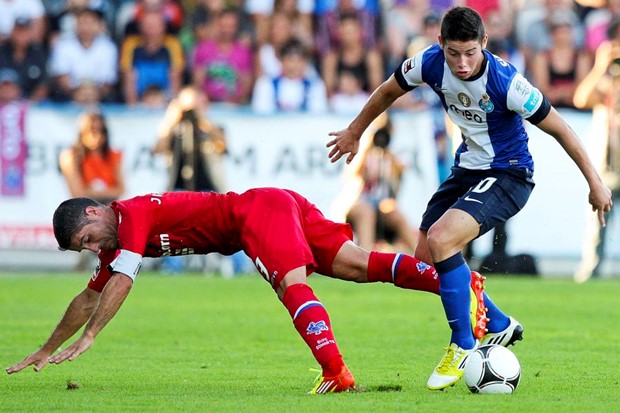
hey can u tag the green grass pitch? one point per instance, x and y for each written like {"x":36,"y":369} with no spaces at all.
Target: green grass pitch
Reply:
{"x":207,"y":344}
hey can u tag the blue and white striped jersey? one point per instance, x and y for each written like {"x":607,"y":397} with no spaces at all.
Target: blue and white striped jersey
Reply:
{"x":488,"y":108}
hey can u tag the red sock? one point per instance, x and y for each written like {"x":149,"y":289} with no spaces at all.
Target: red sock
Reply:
{"x":312,"y":323}
{"x":403,"y":271}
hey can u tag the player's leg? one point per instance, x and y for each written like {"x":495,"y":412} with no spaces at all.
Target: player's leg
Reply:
{"x":273,"y":237}
{"x":446,"y":239}
{"x":312,"y":322}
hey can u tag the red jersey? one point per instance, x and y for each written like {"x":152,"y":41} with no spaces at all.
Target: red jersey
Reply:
{"x":278,"y":229}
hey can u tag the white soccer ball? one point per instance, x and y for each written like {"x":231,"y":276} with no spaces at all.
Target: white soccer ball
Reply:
{"x":492,"y":369}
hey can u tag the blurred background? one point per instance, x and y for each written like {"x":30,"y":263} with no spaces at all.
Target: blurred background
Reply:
{"x":111,"y":99}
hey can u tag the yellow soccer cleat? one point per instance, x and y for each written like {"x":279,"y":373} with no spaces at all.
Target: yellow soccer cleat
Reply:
{"x":450,"y":368}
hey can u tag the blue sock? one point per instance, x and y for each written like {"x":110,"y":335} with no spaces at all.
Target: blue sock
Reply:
{"x":498,"y":321}
{"x":454,"y":285}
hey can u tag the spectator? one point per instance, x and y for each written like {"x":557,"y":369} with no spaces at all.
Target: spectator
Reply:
{"x":63,"y":21}
{"x":86,"y":59}
{"x":299,"y":12}
{"x":154,"y":98}
{"x":129,"y":16}
{"x":92,"y":168}
{"x":501,"y":39}
{"x":557,"y":70}
{"x":293,"y":90}
{"x":327,"y":17}
{"x":597,"y":22}
{"x":351,"y":55}
{"x":193,"y":144}
{"x":349,"y":97}
{"x":152,"y":58}
{"x":28,"y":58}
{"x":34,"y":10}
{"x":223,"y":66}
{"x":403,"y":22}
{"x":600,"y":90}
{"x":194,"y":147}
{"x":268,"y":58}
{"x":533,"y":27}
{"x":376,"y":209}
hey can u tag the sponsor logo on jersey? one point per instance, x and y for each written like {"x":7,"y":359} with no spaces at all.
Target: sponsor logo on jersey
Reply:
{"x":409,"y":64}
{"x":316,"y":328}
{"x":486,"y":104}
{"x":467,"y":114}
{"x":523,"y":88}
{"x":164,"y":240}
{"x":532,"y":101}
{"x":464,"y":99}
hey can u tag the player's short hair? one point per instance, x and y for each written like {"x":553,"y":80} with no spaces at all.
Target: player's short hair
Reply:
{"x":462,"y":24}
{"x":69,"y":218}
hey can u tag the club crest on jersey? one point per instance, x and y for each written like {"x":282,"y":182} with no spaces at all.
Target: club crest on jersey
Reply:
{"x":464,"y":99}
{"x":316,"y":328}
{"x":486,"y":104}
{"x":422,"y":266}
{"x":409,"y":64}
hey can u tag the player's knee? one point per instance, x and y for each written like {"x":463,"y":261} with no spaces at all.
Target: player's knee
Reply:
{"x":351,"y":263}
{"x":438,"y":240}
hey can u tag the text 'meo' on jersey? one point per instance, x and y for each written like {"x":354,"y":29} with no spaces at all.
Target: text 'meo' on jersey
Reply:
{"x":489,"y":108}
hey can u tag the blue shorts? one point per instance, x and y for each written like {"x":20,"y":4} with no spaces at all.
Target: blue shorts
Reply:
{"x":490,"y":196}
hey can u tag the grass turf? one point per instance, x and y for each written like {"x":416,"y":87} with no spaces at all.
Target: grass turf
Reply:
{"x":195,"y":343}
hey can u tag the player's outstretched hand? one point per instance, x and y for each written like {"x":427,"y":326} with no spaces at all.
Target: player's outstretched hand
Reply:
{"x":601,"y":200}
{"x":39,"y":359}
{"x":344,"y":142}
{"x":78,"y":347}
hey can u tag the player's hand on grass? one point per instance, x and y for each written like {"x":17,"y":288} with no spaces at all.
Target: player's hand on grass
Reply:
{"x":344,"y":142}
{"x":39,"y":359}
{"x":78,"y":347}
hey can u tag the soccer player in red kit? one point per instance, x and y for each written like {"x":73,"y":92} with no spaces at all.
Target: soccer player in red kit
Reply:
{"x":286,"y":237}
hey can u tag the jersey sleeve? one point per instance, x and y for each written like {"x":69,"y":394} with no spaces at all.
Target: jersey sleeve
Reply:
{"x":102,"y":275}
{"x":409,"y":73}
{"x":526,"y":100}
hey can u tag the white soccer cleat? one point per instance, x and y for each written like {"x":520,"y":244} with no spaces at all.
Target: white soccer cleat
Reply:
{"x":506,"y":337}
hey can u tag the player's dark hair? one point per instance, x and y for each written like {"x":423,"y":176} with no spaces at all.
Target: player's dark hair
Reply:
{"x":462,"y":24}
{"x":69,"y":218}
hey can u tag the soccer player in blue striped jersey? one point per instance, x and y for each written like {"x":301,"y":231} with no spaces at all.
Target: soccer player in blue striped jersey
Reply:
{"x":492,"y":176}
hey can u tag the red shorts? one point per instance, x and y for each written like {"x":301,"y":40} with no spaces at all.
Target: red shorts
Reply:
{"x":282,"y":231}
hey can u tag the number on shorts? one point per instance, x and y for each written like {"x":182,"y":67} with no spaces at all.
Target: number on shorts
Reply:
{"x":484,"y":185}
{"x":261,"y":268}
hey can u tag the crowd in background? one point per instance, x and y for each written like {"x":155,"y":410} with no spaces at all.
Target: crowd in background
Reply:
{"x":278,"y":55}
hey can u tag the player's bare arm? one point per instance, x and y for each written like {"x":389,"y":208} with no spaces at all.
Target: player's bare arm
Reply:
{"x":600,"y":195}
{"x":346,"y":141}
{"x":112,"y":297}
{"x":77,"y":314}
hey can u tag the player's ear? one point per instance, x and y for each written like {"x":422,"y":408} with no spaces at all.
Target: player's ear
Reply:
{"x":92,"y":211}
